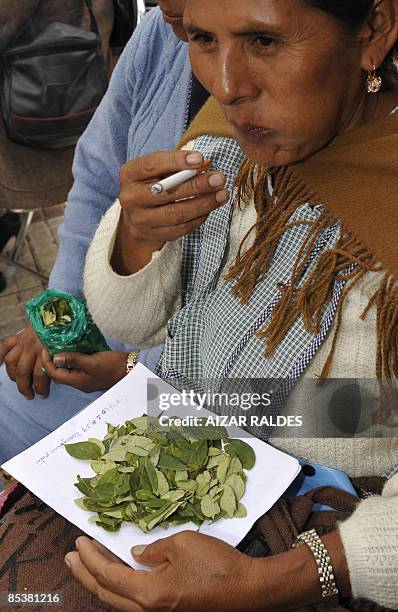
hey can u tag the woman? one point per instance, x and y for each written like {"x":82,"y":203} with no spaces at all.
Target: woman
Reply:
{"x":291,"y":78}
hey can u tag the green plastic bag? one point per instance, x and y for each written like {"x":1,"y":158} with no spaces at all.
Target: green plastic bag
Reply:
{"x":63,"y":323}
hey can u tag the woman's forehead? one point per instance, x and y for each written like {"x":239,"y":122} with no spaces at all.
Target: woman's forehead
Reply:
{"x":291,"y":20}
{"x":229,"y":11}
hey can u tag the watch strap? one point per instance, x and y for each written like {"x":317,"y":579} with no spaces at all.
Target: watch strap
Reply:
{"x":131,"y":362}
{"x":324,"y":565}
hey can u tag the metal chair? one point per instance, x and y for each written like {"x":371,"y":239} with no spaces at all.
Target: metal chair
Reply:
{"x":12,"y":259}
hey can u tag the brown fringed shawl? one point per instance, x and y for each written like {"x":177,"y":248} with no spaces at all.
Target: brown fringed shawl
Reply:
{"x":356,"y":179}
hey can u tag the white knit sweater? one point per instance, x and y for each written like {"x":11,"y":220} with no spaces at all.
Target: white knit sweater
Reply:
{"x":136,"y":309}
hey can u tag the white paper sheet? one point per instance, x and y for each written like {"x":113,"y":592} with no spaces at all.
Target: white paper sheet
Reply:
{"x":49,"y":472}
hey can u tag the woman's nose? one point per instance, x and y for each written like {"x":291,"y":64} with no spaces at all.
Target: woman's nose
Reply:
{"x":231,"y":81}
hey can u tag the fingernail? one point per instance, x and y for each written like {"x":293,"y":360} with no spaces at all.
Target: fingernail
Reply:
{"x":138,"y":550}
{"x":222,"y":196}
{"x":59,"y":360}
{"x":42,"y":396}
{"x":216,"y":180}
{"x":193,"y":159}
{"x":77,"y":544}
{"x":68,"y":563}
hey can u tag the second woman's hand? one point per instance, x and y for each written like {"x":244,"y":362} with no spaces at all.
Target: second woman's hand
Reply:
{"x":189,"y":572}
{"x":192,"y":572}
{"x":97,"y":372}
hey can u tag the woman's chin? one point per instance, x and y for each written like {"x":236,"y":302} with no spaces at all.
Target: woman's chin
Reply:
{"x":272,"y":156}
{"x":268,"y":157}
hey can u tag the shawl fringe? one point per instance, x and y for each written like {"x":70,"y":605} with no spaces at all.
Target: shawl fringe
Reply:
{"x":307,"y":299}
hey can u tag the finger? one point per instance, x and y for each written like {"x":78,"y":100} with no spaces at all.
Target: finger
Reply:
{"x":11,"y":361}
{"x":80,"y":572}
{"x":200,"y":185}
{"x":166,"y":234}
{"x":48,"y":364}
{"x":158,"y":165}
{"x":107,"y":553}
{"x":24,"y":373}
{"x":63,"y":365}
{"x":118,"y":579}
{"x":177,"y":213}
{"x":61,"y":375}
{"x":73,"y":361}
{"x":156,"y":553}
{"x":41,"y":381}
{"x":6,"y":346}
{"x":73,"y":378}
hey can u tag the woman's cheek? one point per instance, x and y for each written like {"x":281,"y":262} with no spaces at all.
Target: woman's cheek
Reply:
{"x":202,"y":66}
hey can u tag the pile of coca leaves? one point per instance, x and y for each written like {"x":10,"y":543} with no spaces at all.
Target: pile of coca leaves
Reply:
{"x":57,"y":312}
{"x":161,"y":478}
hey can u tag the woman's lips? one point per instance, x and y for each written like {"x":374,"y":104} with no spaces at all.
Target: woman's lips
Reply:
{"x":172,"y":19}
{"x":252,"y":133}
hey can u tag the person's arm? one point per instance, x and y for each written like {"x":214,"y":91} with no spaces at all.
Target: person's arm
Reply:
{"x":98,"y":372}
{"x":100,"y":153}
{"x":370,"y":541}
{"x":132,"y":279}
{"x":133,"y":308}
{"x":191,"y":571}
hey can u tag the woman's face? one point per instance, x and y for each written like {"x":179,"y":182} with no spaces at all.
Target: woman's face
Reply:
{"x":287,"y":76}
{"x":173,"y":11}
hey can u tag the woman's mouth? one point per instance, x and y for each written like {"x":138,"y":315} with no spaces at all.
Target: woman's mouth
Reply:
{"x":172,"y":19}
{"x":252,"y":133}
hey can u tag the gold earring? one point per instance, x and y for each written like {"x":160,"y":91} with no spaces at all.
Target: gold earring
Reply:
{"x":373,"y":82}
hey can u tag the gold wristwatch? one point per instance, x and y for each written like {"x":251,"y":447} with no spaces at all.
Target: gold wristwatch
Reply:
{"x":131,"y":361}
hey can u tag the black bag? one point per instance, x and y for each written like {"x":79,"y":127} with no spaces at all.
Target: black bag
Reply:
{"x":125,"y":21}
{"x":53,"y":80}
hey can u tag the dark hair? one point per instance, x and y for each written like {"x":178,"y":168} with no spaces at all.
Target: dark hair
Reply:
{"x":352,"y":14}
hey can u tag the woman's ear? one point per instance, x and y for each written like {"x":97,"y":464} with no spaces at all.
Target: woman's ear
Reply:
{"x":380,"y":33}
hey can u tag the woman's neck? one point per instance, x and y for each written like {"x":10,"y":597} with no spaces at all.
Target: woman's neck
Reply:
{"x":371,"y":108}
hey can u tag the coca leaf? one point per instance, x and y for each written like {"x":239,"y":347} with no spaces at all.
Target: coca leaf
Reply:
{"x":242,"y":450}
{"x":83,"y":450}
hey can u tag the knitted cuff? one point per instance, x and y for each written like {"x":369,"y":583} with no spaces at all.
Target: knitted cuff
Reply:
{"x":370,"y":540}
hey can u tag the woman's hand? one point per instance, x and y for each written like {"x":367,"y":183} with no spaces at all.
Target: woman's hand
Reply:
{"x":148,"y":221}
{"x":22,"y":355}
{"x":190,"y":572}
{"x":87,"y":373}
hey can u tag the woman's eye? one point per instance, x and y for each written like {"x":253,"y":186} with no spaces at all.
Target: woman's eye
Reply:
{"x":202,"y":39}
{"x":264,"y":41}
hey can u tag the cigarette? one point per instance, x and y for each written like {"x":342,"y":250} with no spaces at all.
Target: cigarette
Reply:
{"x":178,"y":179}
